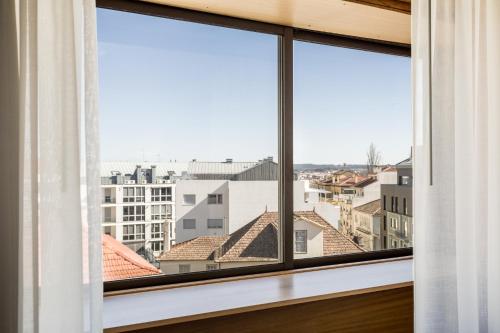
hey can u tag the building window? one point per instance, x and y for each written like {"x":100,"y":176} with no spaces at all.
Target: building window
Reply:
{"x":108,"y":216}
{"x":405,"y":228}
{"x":385,"y":202}
{"x":396,"y":204}
{"x":189,"y":223}
{"x":405,"y":180}
{"x":156,"y":230}
{"x":189,"y":199}
{"x":157,"y":246}
{"x":184,"y":268}
{"x":133,"y":213}
{"x":133,"y":194}
{"x":215,"y":223}
{"x":161,"y":194}
{"x":134,"y":232}
{"x":394,"y":243}
{"x":161,"y":212}
{"x":211,"y":267}
{"x":301,"y":241}
{"x":214,"y":199}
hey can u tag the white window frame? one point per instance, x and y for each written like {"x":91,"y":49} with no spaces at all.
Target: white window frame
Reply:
{"x":296,"y":242}
{"x":214,"y":199}
{"x":212,"y":227}
{"x":135,"y":215}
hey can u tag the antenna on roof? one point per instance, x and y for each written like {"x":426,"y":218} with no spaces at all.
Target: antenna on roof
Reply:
{"x":314,"y":209}
{"x":265,"y":210}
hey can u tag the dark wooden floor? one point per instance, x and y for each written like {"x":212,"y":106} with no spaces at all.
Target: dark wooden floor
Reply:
{"x":382,"y":311}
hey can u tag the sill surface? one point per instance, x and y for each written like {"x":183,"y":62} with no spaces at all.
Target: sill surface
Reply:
{"x":127,"y":312}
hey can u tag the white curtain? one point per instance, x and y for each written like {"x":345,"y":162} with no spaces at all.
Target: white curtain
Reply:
{"x":51,"y":128}
{"x":457,"y":165}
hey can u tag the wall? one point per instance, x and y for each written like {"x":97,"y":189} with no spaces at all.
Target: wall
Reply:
{"x":314,"y":239}
{"x":389,"y":311}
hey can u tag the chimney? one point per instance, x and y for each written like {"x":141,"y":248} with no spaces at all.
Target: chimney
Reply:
{"x":153,"y":174}
{"x":138,"y":173}
{"x":229,"y":160}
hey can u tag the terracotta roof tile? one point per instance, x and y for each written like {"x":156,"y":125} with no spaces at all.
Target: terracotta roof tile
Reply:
{"x":372,"y":208}
{"x":199,"y":248}
{"x":120,"y":262}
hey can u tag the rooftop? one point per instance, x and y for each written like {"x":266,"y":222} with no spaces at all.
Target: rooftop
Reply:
{"x":120,"y":262}
{"x":372,"y":208}
{"x":257,"y":241}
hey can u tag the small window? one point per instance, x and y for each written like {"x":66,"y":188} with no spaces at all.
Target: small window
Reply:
{"x":189,"y":199}
{"x":184,"y":268}
{"x":189,"y":224}
{"x":211,"y":267}
{"x":161,"y":194}
{"x":214,"y":199}
{"x":301,"y":241}
{"x":215,"y":223}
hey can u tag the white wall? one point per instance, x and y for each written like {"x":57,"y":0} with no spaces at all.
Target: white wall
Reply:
{"x":314,"y":239}
{"x":201,"y":211}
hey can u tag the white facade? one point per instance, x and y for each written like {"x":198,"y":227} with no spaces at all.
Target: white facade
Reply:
{"x":242,"y":201}
{"x":147,"y":214}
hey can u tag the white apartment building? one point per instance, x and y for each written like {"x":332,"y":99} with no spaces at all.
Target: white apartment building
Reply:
{"x":138,"y":204}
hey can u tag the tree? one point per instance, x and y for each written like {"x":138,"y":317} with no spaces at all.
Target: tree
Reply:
{"x":374,"y":158}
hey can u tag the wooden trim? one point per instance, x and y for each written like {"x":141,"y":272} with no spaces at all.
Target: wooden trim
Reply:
{"x":401,"y":6}
{"x":257,"y":307}
{"x":248,"y":277}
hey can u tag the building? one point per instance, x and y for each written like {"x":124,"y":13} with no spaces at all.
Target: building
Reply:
{"x":220,"y":207}
{"x":120,"y":262}
{"x":138,"y":204}
{"x":397,"y":208}
{"x":256,"y":243}
{"x":366,"y":225}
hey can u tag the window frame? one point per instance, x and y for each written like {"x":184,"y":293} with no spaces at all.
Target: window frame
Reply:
{"x":286,"y":36}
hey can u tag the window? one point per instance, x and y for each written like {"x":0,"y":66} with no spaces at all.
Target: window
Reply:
{"x":134,"y":232}
{"x":184,"y":268}
{"x":189,"y":199}
{"x":161,"y":212}
{"x":157,"y":246}
{"x":161,"y":194}
{"x":215,"y":223}
{"x":211,"y":267}
{"x":189,"y":224}
{"x":133,"y":213}
{"x":156,"y":230}
{"x":133,"y":194}
{"x":301,"y":241}
{"x":346,"y":89}
{"x":214,"y":199}
{"x":108,"y":214}
{"x":227,"y":91}
{"x":405,"y":210}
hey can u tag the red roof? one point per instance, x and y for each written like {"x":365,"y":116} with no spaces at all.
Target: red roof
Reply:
{"x":120,"y":262}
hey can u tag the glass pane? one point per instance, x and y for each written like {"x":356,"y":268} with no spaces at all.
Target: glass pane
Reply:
{"x":189,"y":119}
{"x":352,"y":150}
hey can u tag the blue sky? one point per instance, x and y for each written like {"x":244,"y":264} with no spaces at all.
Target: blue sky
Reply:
{"x":172,"y":90}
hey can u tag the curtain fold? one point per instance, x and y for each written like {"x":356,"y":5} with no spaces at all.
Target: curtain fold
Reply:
{"x":51,"y":127}
{"x":456,"y":82}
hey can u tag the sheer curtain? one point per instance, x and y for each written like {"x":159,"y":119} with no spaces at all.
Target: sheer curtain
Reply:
{"x":50,"y":128}
{"x":457,"y":165}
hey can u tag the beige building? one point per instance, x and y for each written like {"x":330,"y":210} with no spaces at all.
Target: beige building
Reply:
{"x":256,"y":243}
{"x":366,"y":225}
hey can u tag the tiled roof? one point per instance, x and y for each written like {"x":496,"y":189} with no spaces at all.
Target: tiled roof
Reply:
{"x":372,"y":208}
{"x":405,"y":163}
{"x":365,"y":182}
{"x":257,"y":241}
{"x":199,"y":248}
{"x":120,"y":262}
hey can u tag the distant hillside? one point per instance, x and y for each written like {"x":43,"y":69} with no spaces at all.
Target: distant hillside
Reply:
{"x":325,"y":167}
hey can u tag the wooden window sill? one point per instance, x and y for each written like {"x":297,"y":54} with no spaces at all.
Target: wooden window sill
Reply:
{"x":131,"y":311}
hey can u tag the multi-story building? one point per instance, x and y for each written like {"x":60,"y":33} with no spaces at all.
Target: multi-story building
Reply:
{"x":397,"y":209}
{"x":367,"y":226}
{"x":138,"y":204}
